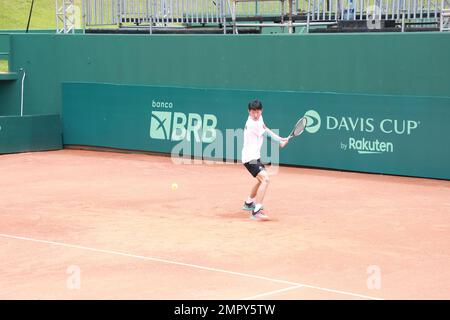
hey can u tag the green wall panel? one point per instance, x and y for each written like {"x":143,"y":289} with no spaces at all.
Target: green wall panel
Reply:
{"x":4,"y":43}
{"x":9,"y":98}
{"x":369,"y":133}
{"x":376,"y":63}
{"x":30,"y":133}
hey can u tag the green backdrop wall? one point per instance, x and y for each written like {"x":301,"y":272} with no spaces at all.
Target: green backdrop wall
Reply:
{"x":372,"y":63}
{"x":413,"y":66}
{"x":371,"y":133}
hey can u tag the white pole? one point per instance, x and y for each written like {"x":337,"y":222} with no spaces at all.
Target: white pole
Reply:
{"x":21,"y":97}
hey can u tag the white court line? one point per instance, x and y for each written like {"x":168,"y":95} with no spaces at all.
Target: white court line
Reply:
{"x":247,"y":275}
{"x":271,"y":293}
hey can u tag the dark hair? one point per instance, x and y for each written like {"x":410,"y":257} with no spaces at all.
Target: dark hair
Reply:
{"x":255,"y":105}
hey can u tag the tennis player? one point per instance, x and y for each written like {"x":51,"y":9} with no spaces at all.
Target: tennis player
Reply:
{"x":251,"y":153}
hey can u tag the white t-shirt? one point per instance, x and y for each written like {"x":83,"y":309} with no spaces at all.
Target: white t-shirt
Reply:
{"x":253,"y":139}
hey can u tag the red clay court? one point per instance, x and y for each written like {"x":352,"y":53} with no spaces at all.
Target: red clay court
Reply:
{"x":116,"y":219}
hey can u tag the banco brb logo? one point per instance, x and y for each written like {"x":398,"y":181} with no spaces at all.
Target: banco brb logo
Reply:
{"x":313,"y":121}
{"x":177,"y":126}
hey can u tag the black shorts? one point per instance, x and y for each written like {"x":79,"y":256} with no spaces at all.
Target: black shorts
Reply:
{"x":254,"y":167}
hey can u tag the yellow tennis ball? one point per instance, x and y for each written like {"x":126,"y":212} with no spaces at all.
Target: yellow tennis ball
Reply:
{"x":174,"y":186}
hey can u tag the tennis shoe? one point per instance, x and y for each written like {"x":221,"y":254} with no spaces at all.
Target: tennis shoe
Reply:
{"x":249,"y":206}
{"x":259,"y":216}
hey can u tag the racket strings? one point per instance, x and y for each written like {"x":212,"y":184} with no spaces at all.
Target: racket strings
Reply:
{"x":300,"y":126}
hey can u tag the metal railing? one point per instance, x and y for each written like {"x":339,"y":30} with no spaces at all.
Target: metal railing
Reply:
{"x":179,"y":13}
{"x":379,"y":9}
{"x":119,"y":12}
{"x":445,"y":16}
{"x":100,"y":13}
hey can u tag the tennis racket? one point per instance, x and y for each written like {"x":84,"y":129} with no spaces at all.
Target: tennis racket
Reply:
{"x":298,"y":128}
